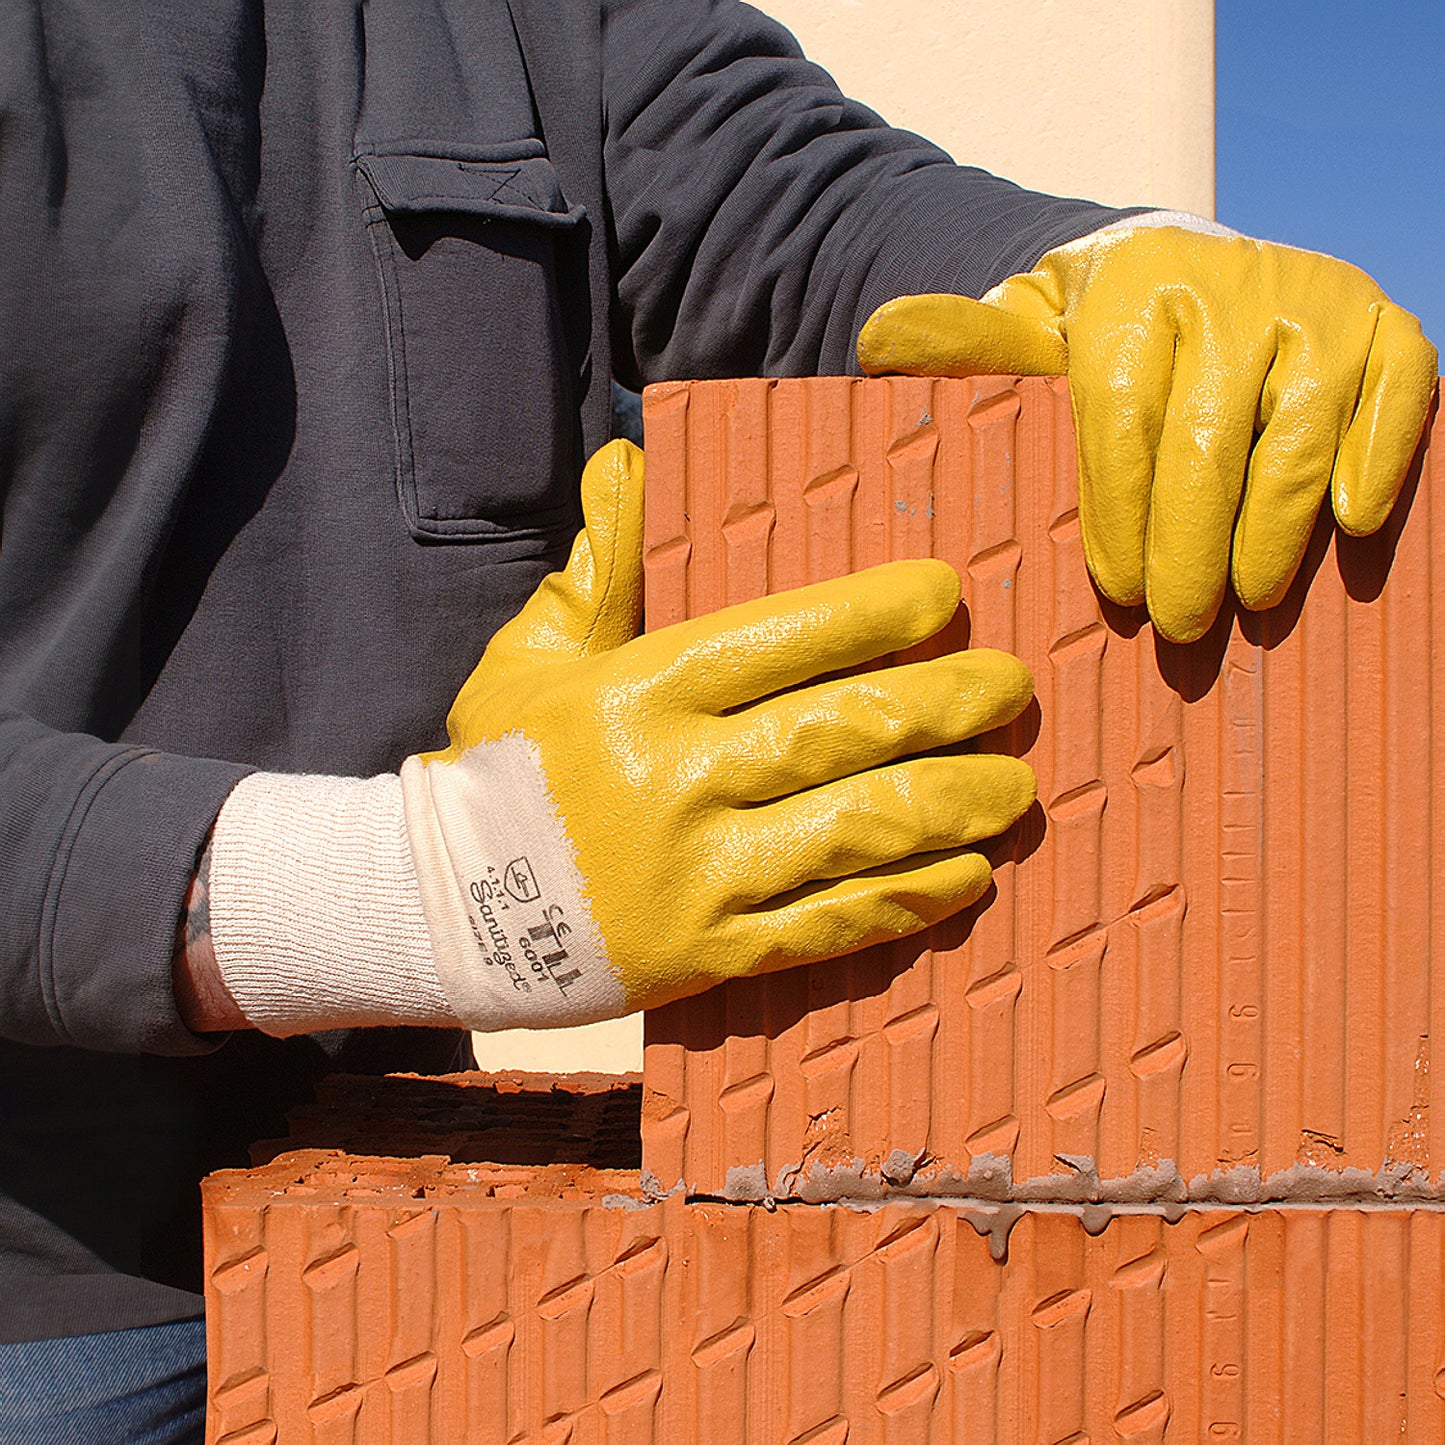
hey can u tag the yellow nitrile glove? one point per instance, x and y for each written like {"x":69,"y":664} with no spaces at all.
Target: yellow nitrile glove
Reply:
{"x":1221,"y":387}
{"x":621,"y":820}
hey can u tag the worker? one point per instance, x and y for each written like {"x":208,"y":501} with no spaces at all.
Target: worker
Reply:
{"x":319,"y":703}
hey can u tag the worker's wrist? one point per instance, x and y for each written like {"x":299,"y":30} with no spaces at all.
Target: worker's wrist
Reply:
{"x":315,"y":914}
{"x":202,"y":998}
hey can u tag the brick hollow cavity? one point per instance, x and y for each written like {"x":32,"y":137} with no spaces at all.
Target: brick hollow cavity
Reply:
{"x":1142,"y":1151}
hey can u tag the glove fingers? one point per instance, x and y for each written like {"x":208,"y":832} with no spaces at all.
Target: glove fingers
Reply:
{"x":813,"y":736}
{"x":867,"y":908}
{"x":1198,"y":479}
{"x":1289,"y":474}
{"x":957,"y":336}
{"x":754,"y":649}
{"x":595,"y":603}
{"x":1400,"y":380}
{"x":1119,"y":389}
{"x":879,"y":818}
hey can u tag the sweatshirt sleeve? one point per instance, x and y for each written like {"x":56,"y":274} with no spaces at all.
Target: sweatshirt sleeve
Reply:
{"x":99,"y":842}
{"x":758,"y":216}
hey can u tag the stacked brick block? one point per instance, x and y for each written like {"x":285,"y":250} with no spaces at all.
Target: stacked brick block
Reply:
{"x":1142,"y":1150}
{"x":369,"y":1300}
{"x":1208,"y":963}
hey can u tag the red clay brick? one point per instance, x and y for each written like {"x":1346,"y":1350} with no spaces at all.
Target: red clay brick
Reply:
{"x":1213,"y":961}
{"x":381,"y":1300}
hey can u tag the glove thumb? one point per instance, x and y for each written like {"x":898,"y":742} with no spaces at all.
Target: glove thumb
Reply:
{"x":958,"y":336}
{"x":595,"y":603}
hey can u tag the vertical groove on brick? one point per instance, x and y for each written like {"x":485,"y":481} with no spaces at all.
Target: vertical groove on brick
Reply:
{"x":1269,"y":1315}
{"x":904,"y":1271}
{"x":1285,"y":901}
{"x":1221,"y":1244}
{"x":747,"y":522}
{"x":718,"y":1304}
{"x":973,"y":1338}
{"x":626,"y":1379}
{"x":816,"y":1288}
{"x":1306,"y":1378}
{"x":1133,"y":1359}
{"x":1240,"y":869}
{"x":1326,"y":921}
{"x":1405,"y":929}
{"x":1062,"y":1304}
{"x":488,"y":1328}
{"x":330,"y":1341}
{"x":1366,"y":853}
{"x":1425,"y":1401}
{"x":980,"y":440}
{"x":411,"y":1310}
{"x":564,"y":1367}
{"x":668,"y":553}
{"x":238,"y":1343}
{"x":1384,"y":1374}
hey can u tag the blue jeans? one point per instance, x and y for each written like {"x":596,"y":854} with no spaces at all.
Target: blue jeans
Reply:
{"x":126,"y":1387}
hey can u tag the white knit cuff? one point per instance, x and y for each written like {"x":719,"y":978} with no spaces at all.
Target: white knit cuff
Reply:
{"x":512,"y":929}
{"x":316,"y":917}
{"x":1183,"y":220}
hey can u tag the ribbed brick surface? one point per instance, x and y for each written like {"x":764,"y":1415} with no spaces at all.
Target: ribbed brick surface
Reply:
{"x":1218,"y":947}
{"x":413,"y":1301}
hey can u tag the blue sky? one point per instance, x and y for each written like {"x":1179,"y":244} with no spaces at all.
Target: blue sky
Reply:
{"x":1330,"y":134}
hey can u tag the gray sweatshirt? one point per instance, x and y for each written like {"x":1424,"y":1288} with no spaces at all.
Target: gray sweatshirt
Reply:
{"x":308,"y":315}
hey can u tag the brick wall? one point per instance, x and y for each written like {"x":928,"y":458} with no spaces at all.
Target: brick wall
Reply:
{"x":1143,"y":1150}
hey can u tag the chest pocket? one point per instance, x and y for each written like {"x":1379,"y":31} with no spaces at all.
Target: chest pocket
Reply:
{"x":475,"y":255}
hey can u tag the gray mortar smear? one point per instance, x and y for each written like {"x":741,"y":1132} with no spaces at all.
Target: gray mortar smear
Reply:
{"x":990,"y":1178}
{"x":748,"y":1183}
{"x":627,"y":1201}
{"x":992,"y":1203}
{"x":652,"y":1189}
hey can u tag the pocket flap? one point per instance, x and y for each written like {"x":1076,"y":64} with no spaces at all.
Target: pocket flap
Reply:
{"x":526,"y":189}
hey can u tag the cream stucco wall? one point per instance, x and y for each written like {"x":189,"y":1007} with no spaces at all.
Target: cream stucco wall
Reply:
{"x":614,"y":1047}
{"x":1112,"y":99}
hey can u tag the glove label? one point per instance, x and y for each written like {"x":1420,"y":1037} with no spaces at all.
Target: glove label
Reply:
{"x":514,"y":938}
{"x":543,"y":947}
